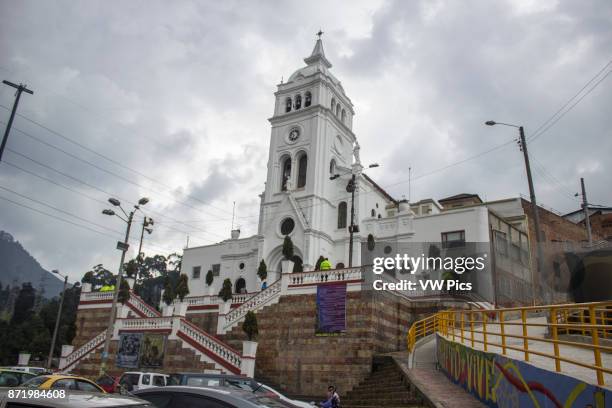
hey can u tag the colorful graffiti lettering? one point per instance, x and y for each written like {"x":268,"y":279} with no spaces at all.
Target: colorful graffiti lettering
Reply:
{"x":502,"y":382}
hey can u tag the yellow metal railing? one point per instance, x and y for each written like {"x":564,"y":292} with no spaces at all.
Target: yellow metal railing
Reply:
{"x":579,"y":325}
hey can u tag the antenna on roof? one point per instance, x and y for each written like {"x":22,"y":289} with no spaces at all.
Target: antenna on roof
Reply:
{"x":233,"y":213}
{"x":187,"y":244}
{"x":409,"y":181}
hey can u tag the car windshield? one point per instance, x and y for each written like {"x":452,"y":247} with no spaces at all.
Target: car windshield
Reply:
{"x":240,"y":384}
{"x":131,"y":379}
{"x":35,"y":382}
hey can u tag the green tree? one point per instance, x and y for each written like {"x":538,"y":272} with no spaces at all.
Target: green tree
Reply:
{"x":169,"y":295}
{"x":298,"y":266}
{"x":209,"y":277}
{"x":226,"y":291}
{"x":249,"y":326}
{"x":182,"y":287}
{"x":175,"y":261}
{"x":24,"y":304}
{"x":88,"y":277}
{"x":262,"y":271}
{"x":288,"y":248}
{"x":124,"y":292}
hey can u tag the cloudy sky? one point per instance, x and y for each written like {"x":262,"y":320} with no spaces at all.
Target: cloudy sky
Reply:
{"x":171,"y":100}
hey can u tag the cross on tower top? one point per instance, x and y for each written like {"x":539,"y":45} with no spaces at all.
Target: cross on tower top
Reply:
{"x":320,"y":33}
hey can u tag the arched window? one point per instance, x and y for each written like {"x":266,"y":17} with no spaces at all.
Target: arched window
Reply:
{"x":343,"y":115}
{"x":302,"y":170}
{"x":240,"y":286}
{"x":373,"y":212}
{"x":342,"y":215}
{"x":332,"y":167}
{"x":288,"y":105}
{"x":333,"y":105}
{"x":307,"y":99}
{"x":285,"y":173}
{"x":338,"y":110}
{"x":298,"y":101}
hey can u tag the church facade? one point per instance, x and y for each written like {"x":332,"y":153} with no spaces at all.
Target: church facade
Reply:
{"x":313,"y":160}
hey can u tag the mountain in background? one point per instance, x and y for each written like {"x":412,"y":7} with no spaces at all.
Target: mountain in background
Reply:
{"x":18,"y":266}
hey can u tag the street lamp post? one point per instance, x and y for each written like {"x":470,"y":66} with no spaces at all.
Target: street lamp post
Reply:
{"x":534,"y":205}
{"x":57,"y":319}
{"x":350,"y":188}
{"x":123,"y":246}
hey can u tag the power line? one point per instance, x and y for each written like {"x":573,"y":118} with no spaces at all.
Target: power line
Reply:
{"x":105,"y":170}
{"x":115,"y":162}
{"x":97,"y":188}
{"x":539,"y":133}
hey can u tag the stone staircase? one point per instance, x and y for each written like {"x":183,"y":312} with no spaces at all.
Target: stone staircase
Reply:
{"x":385,"y":387}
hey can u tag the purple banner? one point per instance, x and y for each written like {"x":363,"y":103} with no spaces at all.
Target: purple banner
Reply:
{"x":331,"y":309}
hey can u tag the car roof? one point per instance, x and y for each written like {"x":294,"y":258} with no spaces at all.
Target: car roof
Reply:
{"x":234,"y":397}
{"x":144,"y":372}
{"x":10,"y":370}
{"x":79,"y":399}
{"x":215,"y":375}
{"x":60,"y":376}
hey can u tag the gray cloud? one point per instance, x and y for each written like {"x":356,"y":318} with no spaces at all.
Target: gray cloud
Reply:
{"x":181,"y":93}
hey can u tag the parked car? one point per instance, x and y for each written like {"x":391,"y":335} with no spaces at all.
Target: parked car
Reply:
{"x":233,"y":382}
{"x":13,"y":378}
{"x":73,"y":399}
{"x":137,"y":380}
{"x":27,"y":369}
{"x":181,"y":396}
{"x":67,"y":382}
{"x":108,"y":383}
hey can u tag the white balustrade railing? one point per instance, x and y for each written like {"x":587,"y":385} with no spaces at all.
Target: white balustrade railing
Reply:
{"x":153,"y":323}
{"x":142,"y":306}
{"x":202,"y":300}
{"x":97,"y":296}
{"x":206,"y":342}
{"x":332,"y":275}
{"x":85,"y":349}
{"x":255,"y":302}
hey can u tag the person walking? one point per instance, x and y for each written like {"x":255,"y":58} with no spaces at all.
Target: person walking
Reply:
{"x":333,"y":399}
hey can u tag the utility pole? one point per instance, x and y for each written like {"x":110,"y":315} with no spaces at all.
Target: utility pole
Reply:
{"x":585,"y":207}
{"x":57,"y":321}
{"x":20,"y":88}
{"x":534,"y":205}
{"x":111,"y":319}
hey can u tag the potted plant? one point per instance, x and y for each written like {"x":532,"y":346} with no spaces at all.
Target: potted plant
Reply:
{"x":262,"y":271}
{"x":226,"y":290}
{"x":182,"y":290}
{"x":124,"y":292}
{"x":209,"y":281}
{"x":249,"y":326}
{"x":87,"y":281}
{"x":168,"y":297}
{"x":287,"y":263}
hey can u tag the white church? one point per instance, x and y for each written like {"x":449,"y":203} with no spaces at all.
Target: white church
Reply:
{"x":313,"y":156}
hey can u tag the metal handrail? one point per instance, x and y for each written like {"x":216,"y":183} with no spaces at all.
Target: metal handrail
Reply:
{"x":591,"y":320}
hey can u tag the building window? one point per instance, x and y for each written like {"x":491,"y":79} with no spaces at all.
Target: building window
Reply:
{"x":307,"y":99}
{"x":241,"y":266}
{"x":286,"y":173}
{"x":298,"y":101}
{"x":196,"y":272}
{"x":338,"y":110}
{"x":332,"y":167}
{"x":453,"y":239}
{"x":343,"y":116}
{"x":302,"y":169}
{"x":333,"y":105}
{"x":501,"y":243}
{"x":373,"y":212}
{"x":287,"y":226}
{"x":288,"y":105}
{"x":342,"y":215}
{"x":216,"y":269}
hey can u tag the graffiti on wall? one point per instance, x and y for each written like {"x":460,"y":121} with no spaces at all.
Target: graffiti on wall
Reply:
{"x":503,"y":382}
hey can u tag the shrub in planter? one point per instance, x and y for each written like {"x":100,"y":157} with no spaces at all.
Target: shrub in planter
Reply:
{"x":226,"y":291}
{"x":288,"y":248}
{"x":209,"y":277}
{"x":169,"y":295}
{"x":182,"y":287}
{"x":124,"y":292}
{"x":262,"y":271}
{"x":298,"y":266}
{"x":249,"y":326}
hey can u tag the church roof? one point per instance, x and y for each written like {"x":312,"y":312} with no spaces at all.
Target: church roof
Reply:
{"x":318,"y":55}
